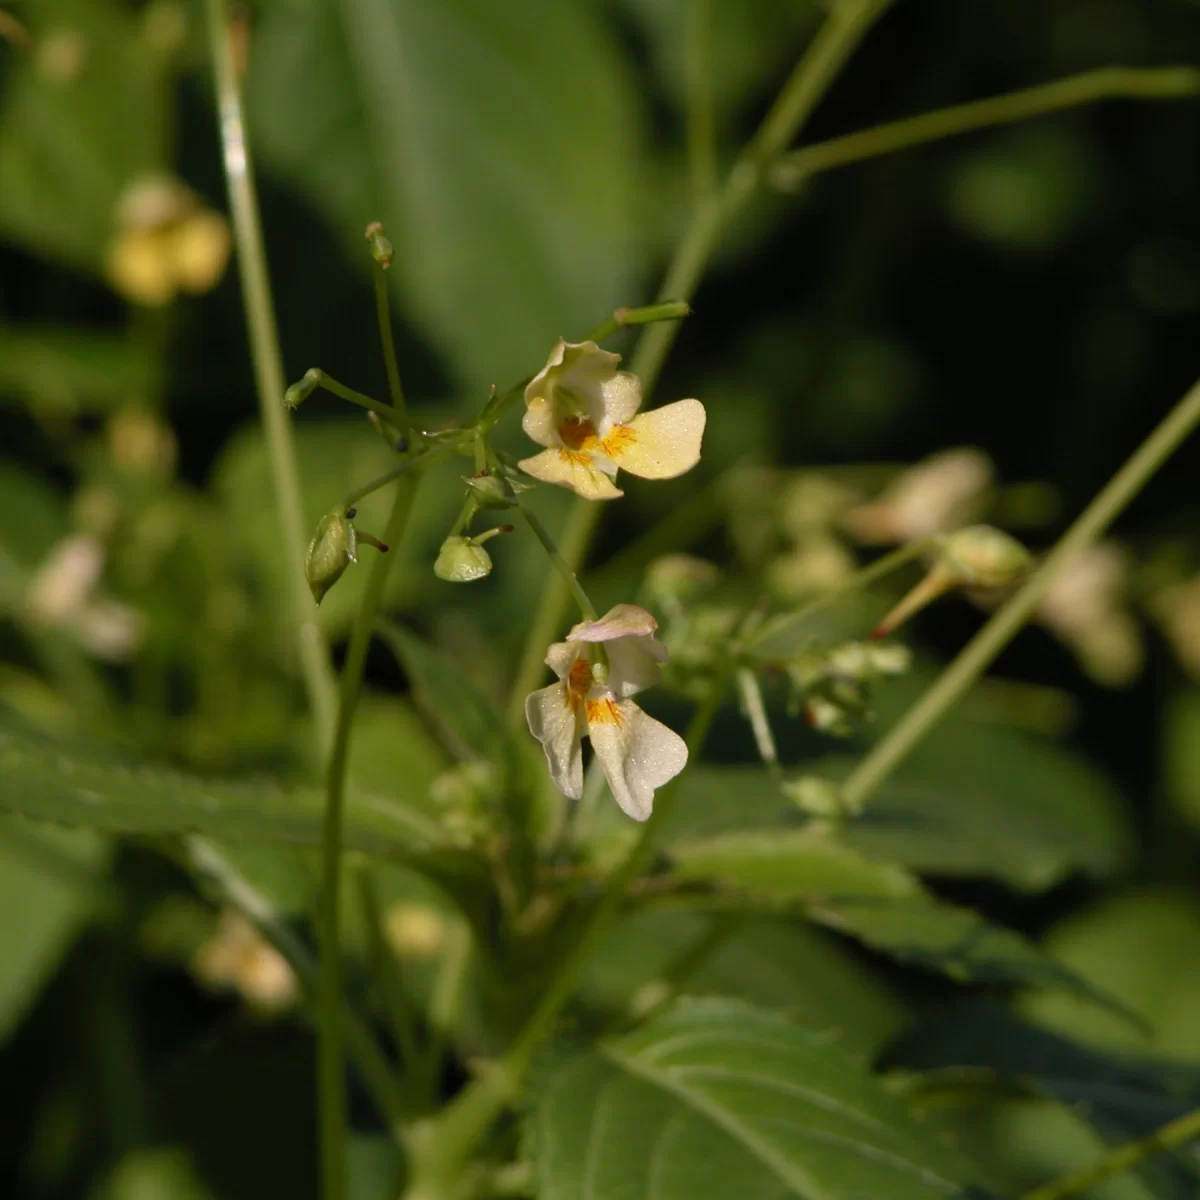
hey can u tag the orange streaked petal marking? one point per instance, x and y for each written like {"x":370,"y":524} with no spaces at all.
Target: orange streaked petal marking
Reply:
{"x":604,"y":712}
{"x":619,"y":439}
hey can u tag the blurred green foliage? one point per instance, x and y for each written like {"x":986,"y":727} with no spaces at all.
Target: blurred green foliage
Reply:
{"x":1032,"y":291}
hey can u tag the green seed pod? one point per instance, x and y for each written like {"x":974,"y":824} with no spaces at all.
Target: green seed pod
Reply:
{"x":332,"y":549}
{"x":381,"y":247}
{"x":462,"y":560}
{"x":982,"y":556}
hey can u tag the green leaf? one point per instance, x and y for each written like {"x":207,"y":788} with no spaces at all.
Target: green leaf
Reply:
{"x":960,"y":943}
{"x":80,"y":118}
{"x":470,"y":724}
{"x":162,"y":1173}
{"x":1140,"y":947}
{"x":776,"y":962}
{"x":49,"y":882}
{"x":63,"y":369}
{"x":1123,"y":1097}
{"x":497,"y":142}
{"x":717,"y":1099}
{"x":45,"y":781}
{"x":789,"y":864}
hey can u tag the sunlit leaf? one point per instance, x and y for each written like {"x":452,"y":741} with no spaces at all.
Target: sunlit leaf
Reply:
{"x":717,"y":1099}
{"x":497,"y":142}
{"x":790,"y":864}
{"x":81,"y":116}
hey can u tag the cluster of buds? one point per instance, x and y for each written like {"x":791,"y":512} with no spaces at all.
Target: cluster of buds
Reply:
{"x":462,"y":557}
{"x":468,"y":798}
{"x":834,"y":688}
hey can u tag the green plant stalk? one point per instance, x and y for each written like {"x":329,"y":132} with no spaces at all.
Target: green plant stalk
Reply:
{"x":242,"y":895}
{"x":439,"y":1151}
{"x":835,"y":42}
{"x":1121,"y":1159}
{"x":979,"y":653}
{"x":860,"y":580}
{"x":648,"y":314}
{"x":418,"y":462}
{"x":268,"y":371}
{"x":383,"y":308}
{"x":701,"y":125}
{"x":1089,"y":87}
{"x":331,"y":1084}
{"x":586,"y":607}
{"x":322,"y":380}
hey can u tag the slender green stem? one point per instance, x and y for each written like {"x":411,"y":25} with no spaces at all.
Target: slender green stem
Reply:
{"x":751,"y":698}
{"x":549,"y":615}
{"x":701,"y":125}
{"x":718,"y":929}
{"x":622,"y":318}
{"x":268,"y":370}
{"x":383,"y":309}
{"x":449,"y":988}
{"x":1003,"y":627}
{"x":1122,"y":1158}
{"x":468,"y":1116}
{"x":586,"y":607}
{"x":828,"y":52}
{"x":314,"y":377}
{"x":242,"y":895}
{"x":416,"y":463}
{"x":860,"y":580}
{"x":330,"y":1079}
{"x":1108,"y":83}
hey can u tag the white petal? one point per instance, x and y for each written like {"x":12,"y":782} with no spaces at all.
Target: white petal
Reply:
{"x":634,"y":664}
{"x":659,"y":444}
{"x":552,"y":721}
{"x":623,"y":620}
{"x":638,"y":753}
{"x":540,"y":422}
{"x":571,"y":469}
{"x":587,"y":373}
{"x":621,"y":397}
{"x":542,"y":383}
{"x":560,"y":658}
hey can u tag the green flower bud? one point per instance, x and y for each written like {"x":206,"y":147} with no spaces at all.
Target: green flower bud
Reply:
{"x":491,"y":491}
{"x":333,"y":548}
{"x":982,"y":556}
{"x":679,"y":578}
{"x":300,"y":391}
{"x":462,"y":560}
{"x":381,"y":248}
{"x":816,"y":796}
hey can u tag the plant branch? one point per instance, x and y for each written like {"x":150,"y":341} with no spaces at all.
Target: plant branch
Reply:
{"x":1108,"y":83}
{"x":383,"y":308}
{"x":1121,"y":1159}
{"x":975,"y":658}
{"x":268,"y":371}
{"x":330,"y":1079}
{"x":701,"y":126}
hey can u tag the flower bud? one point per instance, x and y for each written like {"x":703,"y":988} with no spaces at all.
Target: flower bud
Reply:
{"x":462,"y":560}
{"x":983,"y":556}
{"x":301,"y":390}
{"x":815,"y":796}
{"x":381,"y":247}
{"x":491,"y":491}
{"x":332,"y":549}
{"x":678,"y":577}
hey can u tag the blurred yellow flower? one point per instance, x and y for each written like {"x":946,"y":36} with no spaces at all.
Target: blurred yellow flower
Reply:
{"x":167,"y":242}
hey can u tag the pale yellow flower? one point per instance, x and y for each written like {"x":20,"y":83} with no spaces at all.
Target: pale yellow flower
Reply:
{"x":637,"y":753}
{"x":582,"y":409}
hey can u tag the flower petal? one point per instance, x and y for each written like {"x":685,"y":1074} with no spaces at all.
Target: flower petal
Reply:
{"x":623,"y":620}
{"x":638,"y":753}
{"x":560,"y":658}
{"x":541,"y":421}
{"x":572,"y":469}
{"x":552,"y":721}
{"x":634,"y":664}
{"x":659,"y":444}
